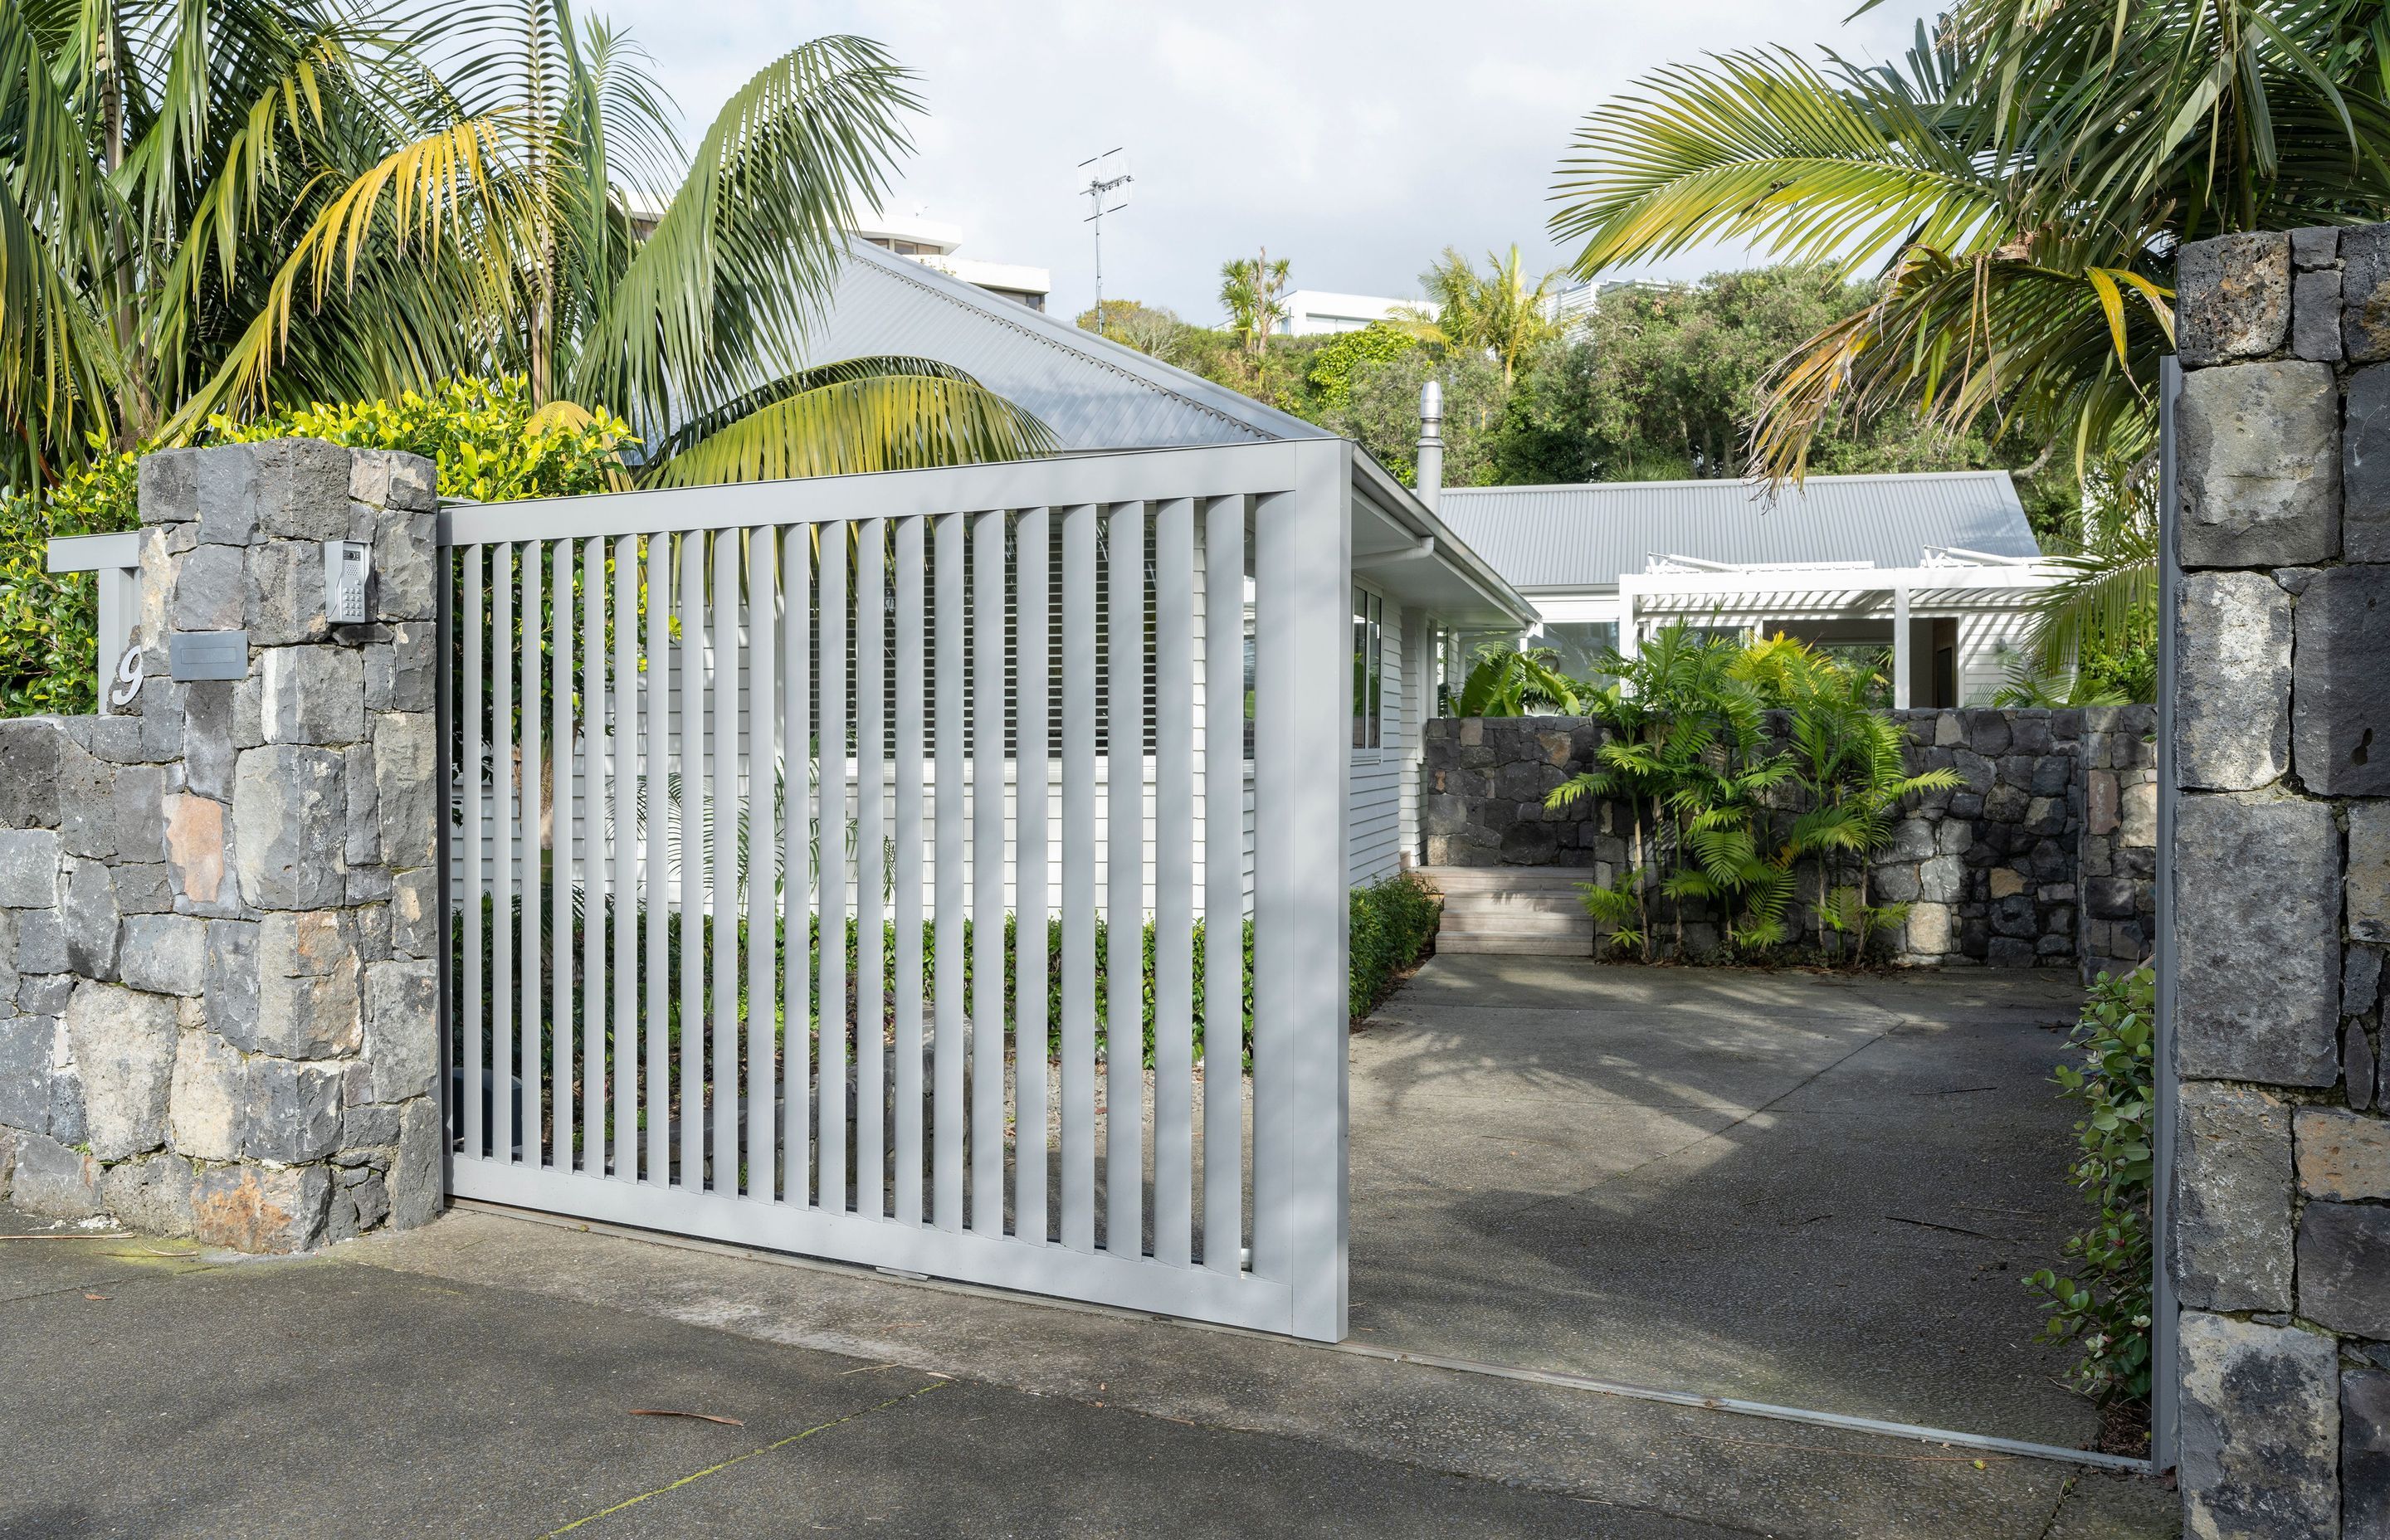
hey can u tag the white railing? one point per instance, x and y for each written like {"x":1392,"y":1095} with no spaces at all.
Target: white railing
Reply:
{"x":652,"y":657}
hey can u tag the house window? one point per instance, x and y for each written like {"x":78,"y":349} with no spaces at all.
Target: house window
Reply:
{"x":1369,"y":669}
{"x":1582,"y":645}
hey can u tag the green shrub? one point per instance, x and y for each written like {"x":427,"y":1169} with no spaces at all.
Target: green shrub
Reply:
{"x":487,"y":439}
{"x":2106,"y":1306}
{"x":1392,"y":922}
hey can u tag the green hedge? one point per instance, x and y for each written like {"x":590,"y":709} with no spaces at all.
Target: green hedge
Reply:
{"x":1392,"y":923}
{"x":2105,"y":1305}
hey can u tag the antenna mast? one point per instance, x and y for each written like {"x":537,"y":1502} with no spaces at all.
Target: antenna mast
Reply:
{"x":1097,"y":189}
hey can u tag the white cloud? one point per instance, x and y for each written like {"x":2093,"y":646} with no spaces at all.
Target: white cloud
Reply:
{"x":1357,"y":139}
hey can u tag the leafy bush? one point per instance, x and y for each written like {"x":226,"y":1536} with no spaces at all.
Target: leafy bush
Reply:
{"x":2106,"y":1306}
{"x":488,"y":440}
{"x":1334,"y":366}
{"x":1392,"y":922}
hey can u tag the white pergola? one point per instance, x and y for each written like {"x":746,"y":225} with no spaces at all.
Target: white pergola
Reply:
{"x":1952,"y":582}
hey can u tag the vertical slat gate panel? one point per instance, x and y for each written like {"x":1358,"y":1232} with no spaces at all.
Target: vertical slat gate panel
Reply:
{"x":833,"y":868}
{"x":502,"y":854}
{"x":1174,"y":880}
{"x":1078,"y":1068}
{"x":590,"y":757}
{"x":689,"y":737}
{"x":987,"y":875}
{"x":530,"y":1020}
{"x":622,"y":787}
{"x":870,"y":866}
{"x":649,"y":946}
{"x":1033,"y":777}
{"x":1224,"y":882}
{"x":946,"y":1052}
{"x":560,"y":1042}
{"x":909,"y":665}
{"x":722,"y":897}
{"x":1125,"y":886}
{"x":797,"y":755}
{"x":655,"y":1013}
{"x":470,"y":629}
{"x":766,"y":795}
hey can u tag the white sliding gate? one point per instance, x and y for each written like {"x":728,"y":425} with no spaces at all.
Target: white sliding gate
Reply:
{"x":776,"y":706}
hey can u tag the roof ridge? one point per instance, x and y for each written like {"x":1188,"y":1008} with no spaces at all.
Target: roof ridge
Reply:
{"x":1034,"y":335}
{"x":1722,"y":483}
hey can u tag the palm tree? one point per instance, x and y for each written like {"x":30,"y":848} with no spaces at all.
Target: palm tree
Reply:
{"x":221,"y":205}
{"x":1498,"y":312}
{"x":2021,"y":187}
{"x":1851,"y":762}
{"x":1518,"y":682}
{"x":1251,"y":291}
{"x":691,"y":322}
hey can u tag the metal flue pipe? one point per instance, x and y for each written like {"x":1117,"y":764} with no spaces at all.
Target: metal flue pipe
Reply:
{"x":1431,"y":443}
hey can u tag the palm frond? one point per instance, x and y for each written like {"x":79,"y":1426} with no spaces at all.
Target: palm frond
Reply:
{"x":861,"y":415}
{"x":716,"y":302}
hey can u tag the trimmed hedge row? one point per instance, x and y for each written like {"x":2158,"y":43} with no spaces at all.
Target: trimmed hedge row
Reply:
{"x":1392,"y":923}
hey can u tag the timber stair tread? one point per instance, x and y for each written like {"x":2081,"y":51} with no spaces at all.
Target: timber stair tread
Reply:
{"x":1523,"y":911}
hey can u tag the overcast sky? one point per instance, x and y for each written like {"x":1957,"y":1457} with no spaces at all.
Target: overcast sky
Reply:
{"x":1357,"y":139}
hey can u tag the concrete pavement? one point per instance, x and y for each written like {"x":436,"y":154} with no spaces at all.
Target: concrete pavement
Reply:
{"x":476,"y":1378}
{"x":1812,"y":1189}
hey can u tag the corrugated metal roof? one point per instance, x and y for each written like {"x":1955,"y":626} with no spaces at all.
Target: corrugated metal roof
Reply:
{"x":1093,"y":392}
{"x":1584,"y":535}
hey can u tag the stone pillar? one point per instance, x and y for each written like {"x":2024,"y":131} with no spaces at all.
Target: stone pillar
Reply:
{"x":2279,"y":1249}
{"x":221,"y":907}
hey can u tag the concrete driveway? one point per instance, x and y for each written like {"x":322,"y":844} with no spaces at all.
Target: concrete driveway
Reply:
{"x":1821,"y":1191}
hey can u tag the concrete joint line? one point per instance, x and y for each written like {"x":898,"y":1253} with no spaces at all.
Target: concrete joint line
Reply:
{"x":736,"y":1459}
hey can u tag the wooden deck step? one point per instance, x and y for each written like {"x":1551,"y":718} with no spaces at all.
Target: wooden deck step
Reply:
{"x":1527,"y":911}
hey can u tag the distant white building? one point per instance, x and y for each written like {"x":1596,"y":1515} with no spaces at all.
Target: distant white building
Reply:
{"x":933,"y":243}
{"x":1570,"y":306}
{"x":1317,"y":313}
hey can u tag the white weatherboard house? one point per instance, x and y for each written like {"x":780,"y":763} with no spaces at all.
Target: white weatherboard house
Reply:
{"x":1412,"y":580}
{"x":1939,"y":569}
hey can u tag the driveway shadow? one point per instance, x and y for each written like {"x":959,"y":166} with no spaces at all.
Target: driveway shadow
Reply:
{"x":1814,"y":1190}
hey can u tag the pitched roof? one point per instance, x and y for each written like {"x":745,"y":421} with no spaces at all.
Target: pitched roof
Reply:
{"x":1095,"y":393}
{"x":1583,"y":536}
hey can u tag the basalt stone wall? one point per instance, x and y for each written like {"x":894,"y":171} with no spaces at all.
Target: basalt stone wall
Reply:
{"x":2280,"y":1245}
{"x":2042,"y":856}
{"x":218,"y":918}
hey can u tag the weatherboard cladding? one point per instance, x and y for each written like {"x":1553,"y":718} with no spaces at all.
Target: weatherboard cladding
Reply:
{"x":1094,"y":393}
{"x":1581,"y":537}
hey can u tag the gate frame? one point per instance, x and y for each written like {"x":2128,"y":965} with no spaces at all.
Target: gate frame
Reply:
{"x":1298,"y":1279}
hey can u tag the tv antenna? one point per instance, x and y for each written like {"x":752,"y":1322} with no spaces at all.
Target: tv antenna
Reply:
{"x":1105,"y":175}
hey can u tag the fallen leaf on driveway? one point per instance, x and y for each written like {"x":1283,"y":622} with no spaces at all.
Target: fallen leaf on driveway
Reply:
{"x":702,"y":1417}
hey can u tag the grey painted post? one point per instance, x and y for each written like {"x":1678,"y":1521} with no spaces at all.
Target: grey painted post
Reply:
{"x":1304,"y":709}
{"x":222,"y":907}
{"x":2165,"y":1388}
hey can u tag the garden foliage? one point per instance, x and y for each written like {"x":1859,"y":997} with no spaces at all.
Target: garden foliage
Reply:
{"x":2103,"y":1303}
{"x":1393,"y":924}
{"x":488,"y":440}
{"x":1718,"y":814}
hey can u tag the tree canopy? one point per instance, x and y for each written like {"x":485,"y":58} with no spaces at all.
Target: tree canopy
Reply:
{"x":238,"y":205}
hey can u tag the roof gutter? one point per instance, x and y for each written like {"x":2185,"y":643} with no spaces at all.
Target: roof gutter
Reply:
{"x":1402,"y":506}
